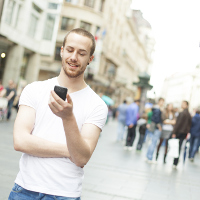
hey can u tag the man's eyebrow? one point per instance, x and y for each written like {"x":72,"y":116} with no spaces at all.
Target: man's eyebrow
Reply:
{"x":82,"y":50}
{"x":79,"y":49}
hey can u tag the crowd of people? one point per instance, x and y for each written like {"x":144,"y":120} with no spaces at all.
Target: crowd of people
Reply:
{"x":9,"y":95}
{"x":159,"y":124}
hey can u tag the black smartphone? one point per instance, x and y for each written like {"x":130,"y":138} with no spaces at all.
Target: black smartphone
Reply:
{"x":61,"y":91}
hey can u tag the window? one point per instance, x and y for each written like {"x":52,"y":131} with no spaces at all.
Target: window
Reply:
{"x":75,"y":2}
{"x":67,"y":23}
{"x":32,"y":26}
{"x":85,"y":25}
{"x":17,"y":18}
{"x":57,"y":54}
{"x":49,"y":27}
{"x":89,"y":3}
{"x":9,"y":14}
{"x":34,"y":18}
{"x":53,"y":6}
{"x":102,"y":5}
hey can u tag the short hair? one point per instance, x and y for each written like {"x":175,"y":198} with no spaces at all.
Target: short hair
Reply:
{"x":82,"y":32}
{"x":161,"y":99}
{"x":198,"y":111}
{"x":137,"y":100}
{"x":124,"y":101}
{"x":187,"y":103}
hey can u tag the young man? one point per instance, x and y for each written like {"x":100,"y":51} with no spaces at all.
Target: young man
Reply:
{"x":58,"y":137}
{"x":182,"y":127}
{"x":155,"y":127}
{"x":131,"y":121}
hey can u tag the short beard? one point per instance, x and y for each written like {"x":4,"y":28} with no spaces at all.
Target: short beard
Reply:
{"x":71,"y":74}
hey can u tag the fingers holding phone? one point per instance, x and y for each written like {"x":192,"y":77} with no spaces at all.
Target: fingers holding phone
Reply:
{"x":57,"y":102}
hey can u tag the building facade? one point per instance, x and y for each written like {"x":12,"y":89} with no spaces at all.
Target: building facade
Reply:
{"x":183,"y":86}
{"x":28,"y":29}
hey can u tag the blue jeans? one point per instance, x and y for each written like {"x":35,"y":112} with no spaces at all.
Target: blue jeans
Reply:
{"x":147,"y":134}
{"x":155,"y":138}
{"x":19,"y":193}
{"x":194,"y":145}
{"x":120,"y":131}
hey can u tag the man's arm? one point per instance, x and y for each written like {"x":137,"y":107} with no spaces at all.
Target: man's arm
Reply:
{"x":25,"y":142}
{"x":12,"y":93}
{"x":80,"y":144}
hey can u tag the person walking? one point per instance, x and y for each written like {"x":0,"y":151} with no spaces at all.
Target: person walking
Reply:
{"x":10,"y":93}
{"x":131,"y":121}
{"x":121,"y":116}
{"x":182,"y":127}
{"x":155,"y":127}
{"x":194,"y":135}
{"x":1,"y":86}
{"x":57,"y":137}
{"x":141,"y":123}
{"x":168,"y":117}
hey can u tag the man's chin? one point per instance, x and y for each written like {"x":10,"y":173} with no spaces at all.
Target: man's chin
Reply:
{"x":73,"y":75}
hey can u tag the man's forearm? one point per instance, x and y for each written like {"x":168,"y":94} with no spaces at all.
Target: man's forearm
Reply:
{"x":78,"y":147}
{"x":40,"y":147}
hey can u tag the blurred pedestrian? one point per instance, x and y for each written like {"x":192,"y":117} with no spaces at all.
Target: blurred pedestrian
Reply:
{"x":121,"y":116}
{"x":10,"y":93}
{"x":1,"y":86}
{"x":182,"y":127}
{"x":176,"y":110}
{"x":194,"y":135}
{"x":141,"y":123}
{"x":155,"y":127}
{"x":148,"y":133}
{"x":168,"y":117}
{"x":131,"y":121}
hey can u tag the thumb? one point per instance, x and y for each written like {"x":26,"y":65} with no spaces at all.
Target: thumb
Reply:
{"x":69,"y":100}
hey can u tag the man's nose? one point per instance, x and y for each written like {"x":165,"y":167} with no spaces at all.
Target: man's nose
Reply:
{"x":74,"y":57}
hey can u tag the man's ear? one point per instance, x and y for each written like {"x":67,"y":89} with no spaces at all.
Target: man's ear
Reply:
{"x":90,"y":60}
{"x":61,"y":52}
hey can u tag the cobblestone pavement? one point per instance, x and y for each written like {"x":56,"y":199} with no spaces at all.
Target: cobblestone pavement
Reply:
{"x":114,"y":173}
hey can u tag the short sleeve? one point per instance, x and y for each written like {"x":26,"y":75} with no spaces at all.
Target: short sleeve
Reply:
{"x":28,"y":96}
{"x":98,"y":116}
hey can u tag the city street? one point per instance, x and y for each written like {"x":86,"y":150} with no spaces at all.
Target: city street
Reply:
{"x":113,"y":173}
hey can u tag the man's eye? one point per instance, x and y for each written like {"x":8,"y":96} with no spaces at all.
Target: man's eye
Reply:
{"x":82,"y":54}
{"x":69,"y":50}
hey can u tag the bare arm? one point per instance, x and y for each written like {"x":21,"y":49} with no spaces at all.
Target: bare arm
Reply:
{"x":3,"y":92}
{"x":12,"y":93}
{"x":25,"y":142}
{"x":80,"y":144}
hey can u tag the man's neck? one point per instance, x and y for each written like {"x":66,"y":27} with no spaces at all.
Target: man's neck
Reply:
{"x":72,"y":84}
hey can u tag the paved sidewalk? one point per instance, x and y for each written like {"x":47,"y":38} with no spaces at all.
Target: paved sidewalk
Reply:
{"x":113,"y":173}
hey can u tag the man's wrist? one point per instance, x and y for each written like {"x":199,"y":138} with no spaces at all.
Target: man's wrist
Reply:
{"x":68,"y":118}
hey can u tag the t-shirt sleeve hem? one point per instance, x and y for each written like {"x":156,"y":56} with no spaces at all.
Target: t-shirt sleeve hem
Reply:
{"x":23,"y":104}
{"x":96,"y":124}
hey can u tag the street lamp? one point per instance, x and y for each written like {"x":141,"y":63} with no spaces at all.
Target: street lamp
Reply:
{"x":143,"y":85}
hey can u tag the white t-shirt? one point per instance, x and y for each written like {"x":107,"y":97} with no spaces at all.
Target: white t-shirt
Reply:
{"x":56,"y":176}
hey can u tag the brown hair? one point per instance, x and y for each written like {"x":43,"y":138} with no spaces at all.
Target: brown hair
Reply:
{"x":167,"y":112}
{"x":85,"y":33}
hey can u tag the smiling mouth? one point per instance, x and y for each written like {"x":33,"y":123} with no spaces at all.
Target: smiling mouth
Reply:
{"x":72,"y":65}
